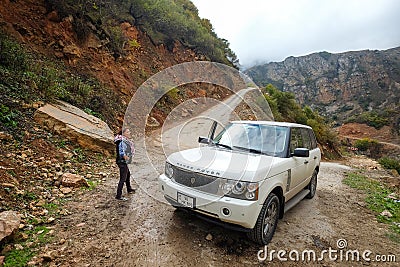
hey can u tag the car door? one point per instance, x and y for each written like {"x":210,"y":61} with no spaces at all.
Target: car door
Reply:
{"x":315,"y":153}
{"x":307,"y":143}
{"x":299,"y":170}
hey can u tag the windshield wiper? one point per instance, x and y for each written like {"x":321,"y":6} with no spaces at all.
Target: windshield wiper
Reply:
{"x":252,"y":150}
{"x":223,"y":145}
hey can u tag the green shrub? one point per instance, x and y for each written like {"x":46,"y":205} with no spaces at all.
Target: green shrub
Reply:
{"x":8,"y":117}
{"x":365,"y":143}
{"x":12,"y":55}
{"x":390,"y":163}
{"x":134,"y":43}
{"x":372,"y":118}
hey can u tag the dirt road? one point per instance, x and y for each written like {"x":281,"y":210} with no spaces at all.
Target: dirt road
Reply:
{"x":145,"y":231}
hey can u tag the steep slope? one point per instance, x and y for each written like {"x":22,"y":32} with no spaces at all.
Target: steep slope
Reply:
{"x":338,"y":85}
{"x":111,"y":49}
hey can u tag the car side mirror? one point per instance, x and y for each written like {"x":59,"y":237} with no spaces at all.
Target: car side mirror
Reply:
{"x":204,"y":140}
{"x":301,"y":152}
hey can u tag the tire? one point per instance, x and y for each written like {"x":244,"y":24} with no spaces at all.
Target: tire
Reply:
{"x":312,"y":186}
{"x":267,"y":221}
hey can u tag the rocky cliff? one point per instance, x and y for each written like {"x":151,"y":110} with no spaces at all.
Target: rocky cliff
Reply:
{"x":338,"y":85}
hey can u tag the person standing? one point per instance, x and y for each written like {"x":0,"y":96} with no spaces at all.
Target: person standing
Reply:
{"x":125,"y":152}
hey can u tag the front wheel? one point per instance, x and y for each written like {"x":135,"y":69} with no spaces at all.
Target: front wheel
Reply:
{"x":312,"y":186}
{"x":267,"y":221}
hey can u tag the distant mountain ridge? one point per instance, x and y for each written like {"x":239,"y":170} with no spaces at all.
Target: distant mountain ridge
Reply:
{"x":338,"y":85}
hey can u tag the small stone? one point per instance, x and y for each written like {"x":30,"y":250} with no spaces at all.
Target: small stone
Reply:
{"x":73,"y":180}
{"x":41,"y":203}
{"x":80,"y":224}
{"x":24,"y":236}
{"x":8,"y":185}
{"x":18,"y":247}
{"x":209,"y":237}
{"x":5,"y":136}
{"x":47,"y":257}
{"x":392,"y":196}
{"x":66,"y":190}
{"x":51,"y":219}
{"x":386,"y":213}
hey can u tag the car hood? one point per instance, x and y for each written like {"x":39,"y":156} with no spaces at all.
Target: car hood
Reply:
{"x":228,"y":164}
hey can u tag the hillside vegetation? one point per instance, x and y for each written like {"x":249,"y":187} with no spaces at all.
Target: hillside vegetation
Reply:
{"x":28,"y":78}
{"x":164,"y":21}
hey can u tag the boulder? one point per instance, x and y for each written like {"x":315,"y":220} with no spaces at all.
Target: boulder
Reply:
{"x":9,"y":223}
{"x":73,"y":180}
{"x":74,"y":124}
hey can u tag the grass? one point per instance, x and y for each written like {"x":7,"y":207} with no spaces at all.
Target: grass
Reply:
{"x":378,"y":201}
{"x":36,"y":237}
{"x":79,"y":155}
{"x":92,"y":185}
{"x":51,"y":207}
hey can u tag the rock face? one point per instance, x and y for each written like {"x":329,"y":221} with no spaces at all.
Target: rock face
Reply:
{"x":76,"y":125}
{"x":9,"y":223}
{"x":337,"y":84}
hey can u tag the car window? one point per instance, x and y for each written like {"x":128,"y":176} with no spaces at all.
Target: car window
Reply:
{"x":313,"y":139}
{"x":296,"y":139}
{"x":305,"y":133}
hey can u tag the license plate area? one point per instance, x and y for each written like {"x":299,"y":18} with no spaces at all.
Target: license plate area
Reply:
{"x":185,"y":200}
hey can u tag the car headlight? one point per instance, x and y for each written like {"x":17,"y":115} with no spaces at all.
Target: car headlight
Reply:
{"x":239,"y":189}
{"x":227,"y":187}
{"x":169,"y":170}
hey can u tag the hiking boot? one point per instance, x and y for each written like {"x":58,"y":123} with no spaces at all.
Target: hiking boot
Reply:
{"x":122,"y":198}
{"x":131,"y":191}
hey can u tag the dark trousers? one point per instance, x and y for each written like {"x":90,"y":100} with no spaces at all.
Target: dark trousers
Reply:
{"x":124,"y":177}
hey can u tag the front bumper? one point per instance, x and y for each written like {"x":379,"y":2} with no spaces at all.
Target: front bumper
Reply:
{"x":241,"y":212}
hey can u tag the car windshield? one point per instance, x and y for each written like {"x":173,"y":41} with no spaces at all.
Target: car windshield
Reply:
{"x":255,"y":138}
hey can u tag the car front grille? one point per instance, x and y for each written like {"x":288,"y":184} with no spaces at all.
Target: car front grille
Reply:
{"x":196,"y":180}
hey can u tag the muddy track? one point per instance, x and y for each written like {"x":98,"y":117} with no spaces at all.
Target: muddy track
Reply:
{"x":145,"y":231}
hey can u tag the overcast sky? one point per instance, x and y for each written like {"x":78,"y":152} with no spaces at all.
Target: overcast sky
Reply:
{"x":261,"y":31}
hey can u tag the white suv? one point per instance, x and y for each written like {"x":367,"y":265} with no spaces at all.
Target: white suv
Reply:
{"x":247,"y":176}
